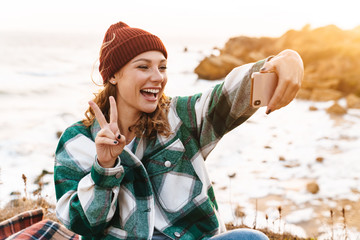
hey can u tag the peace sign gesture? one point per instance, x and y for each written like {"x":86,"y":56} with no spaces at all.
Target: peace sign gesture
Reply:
{"x":109,"y":142}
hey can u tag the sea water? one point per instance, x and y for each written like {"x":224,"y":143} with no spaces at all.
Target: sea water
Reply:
{"x":46,"y":81}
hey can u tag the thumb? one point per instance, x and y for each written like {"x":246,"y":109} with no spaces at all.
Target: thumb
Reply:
{"x":119,"y":147}
{"x":268,"y":67}
{"x":120,"y":138}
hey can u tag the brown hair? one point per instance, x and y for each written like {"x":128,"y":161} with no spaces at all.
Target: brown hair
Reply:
{"x":149,"y":123}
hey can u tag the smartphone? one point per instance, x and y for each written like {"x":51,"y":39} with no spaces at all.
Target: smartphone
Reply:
{"x":262,"y":88}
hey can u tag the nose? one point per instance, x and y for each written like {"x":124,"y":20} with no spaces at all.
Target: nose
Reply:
{"x":157,"y":75}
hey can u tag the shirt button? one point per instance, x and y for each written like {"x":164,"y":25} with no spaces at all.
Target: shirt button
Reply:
{"x":118,"y":175}
{"x":177,"y":234}
{"x":167,"y":164}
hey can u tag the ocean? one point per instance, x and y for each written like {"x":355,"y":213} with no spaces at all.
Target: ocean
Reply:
{"x":46,"y":82}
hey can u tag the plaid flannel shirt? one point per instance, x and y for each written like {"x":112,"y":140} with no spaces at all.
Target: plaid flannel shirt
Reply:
{"x":161,"y":183}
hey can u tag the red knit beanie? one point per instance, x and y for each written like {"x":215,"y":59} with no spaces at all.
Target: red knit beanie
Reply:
{"x":121,"y":44}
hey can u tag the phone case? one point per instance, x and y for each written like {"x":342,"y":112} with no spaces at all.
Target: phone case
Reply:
{"x":262,"y":88}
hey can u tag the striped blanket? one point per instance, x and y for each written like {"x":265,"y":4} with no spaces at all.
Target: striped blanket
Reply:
{"x":31,"y":225}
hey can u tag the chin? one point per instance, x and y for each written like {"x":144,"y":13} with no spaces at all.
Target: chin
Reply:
{"x":149,"y":109}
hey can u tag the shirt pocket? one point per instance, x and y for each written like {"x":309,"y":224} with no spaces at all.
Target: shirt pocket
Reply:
{"x":166,"y":159}
{"x":173,"y":178}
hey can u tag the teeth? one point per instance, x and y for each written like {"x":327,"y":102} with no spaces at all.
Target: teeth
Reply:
{"x":151,"y":90}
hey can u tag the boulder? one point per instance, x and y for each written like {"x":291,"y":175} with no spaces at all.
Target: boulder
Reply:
{"x":329,"y":65}
{"x":217,"y":67}
{"x":353,"y":101}
{"x":324,"y":84}
{"x":336,"y":109}
{"x":313,"y":108}
{"x":325,"y":95}
{"x":312,"y":187}
{"x":304,"y":94}
{"x":249,"y":49}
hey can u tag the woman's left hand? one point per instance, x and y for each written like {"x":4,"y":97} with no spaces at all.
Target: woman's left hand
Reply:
{"x":289,"y":67}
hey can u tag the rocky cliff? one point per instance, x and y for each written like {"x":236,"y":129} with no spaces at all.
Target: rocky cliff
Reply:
{"x":331,"y":59}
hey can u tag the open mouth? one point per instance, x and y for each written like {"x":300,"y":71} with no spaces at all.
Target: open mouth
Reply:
{"x":150,"y":93}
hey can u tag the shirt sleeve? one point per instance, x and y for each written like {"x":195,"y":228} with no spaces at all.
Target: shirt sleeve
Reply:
{"x":86,"y":193}
{"x":215,"y":112}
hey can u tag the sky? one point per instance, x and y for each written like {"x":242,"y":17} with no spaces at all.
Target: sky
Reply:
{"x":196,"y":20}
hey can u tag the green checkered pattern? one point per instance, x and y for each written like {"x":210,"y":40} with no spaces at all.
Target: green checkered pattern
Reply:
{"x":161,"y":183}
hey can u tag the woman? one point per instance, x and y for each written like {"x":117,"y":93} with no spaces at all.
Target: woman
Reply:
{"x":134,"y":168}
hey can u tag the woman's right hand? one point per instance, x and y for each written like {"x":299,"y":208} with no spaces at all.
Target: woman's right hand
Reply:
{"x":109,"y":141}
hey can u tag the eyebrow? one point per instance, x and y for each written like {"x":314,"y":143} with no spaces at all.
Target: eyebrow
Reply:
{"x":146,"y":60}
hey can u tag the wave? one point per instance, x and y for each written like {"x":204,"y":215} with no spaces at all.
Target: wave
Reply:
{"x":39,"y":74}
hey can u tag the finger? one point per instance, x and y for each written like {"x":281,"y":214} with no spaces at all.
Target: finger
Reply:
{"x":277,"y":96}
{"x":113,"y":110}
{"x":268,"y":67}
{"x":292,"y":88}
{"x":120,"y":138}
{"x":286,"y":99}
{"x":289,"y":95}
{"x":117,"y":149}
{"x":106,"y":141}
{"x":106,"y":132}
{"x":98,"y":114}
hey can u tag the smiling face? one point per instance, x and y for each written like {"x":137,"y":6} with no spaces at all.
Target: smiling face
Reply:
{"x":140,"y":83}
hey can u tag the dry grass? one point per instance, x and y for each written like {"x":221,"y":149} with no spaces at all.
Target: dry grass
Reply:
{"x":20,"y":205}
{"x":35,"y":201}
{"x":28,"y":202}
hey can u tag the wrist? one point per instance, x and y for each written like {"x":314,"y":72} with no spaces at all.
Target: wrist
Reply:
{"x":107,"y":164}
{"x":107,"y":177}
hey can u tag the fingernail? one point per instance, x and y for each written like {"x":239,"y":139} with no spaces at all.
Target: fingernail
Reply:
{"x":119,"y":137}
{"x":115,"y":142}
{"x":268,"y":111}
{"x":263,"y":69}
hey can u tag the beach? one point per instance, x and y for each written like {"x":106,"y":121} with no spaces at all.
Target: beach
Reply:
{"x":264,"y":164}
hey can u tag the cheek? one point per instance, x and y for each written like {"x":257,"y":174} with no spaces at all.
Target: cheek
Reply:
{"x":164,"y":82}
{"x":125,"y":90}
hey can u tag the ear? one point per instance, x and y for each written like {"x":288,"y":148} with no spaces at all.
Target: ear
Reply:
{"x":113,"y":80}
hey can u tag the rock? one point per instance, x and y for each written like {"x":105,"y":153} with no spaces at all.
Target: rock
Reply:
{"x":336,"y":109}
{"x":312,"y":187}
{"x":353,"y":101}
{"x":292,"y":165}
{"x":325,"y":95}
{"x":313,"y":108}
{"x":232,"y":175}
{"x":304,"y":94}
{"x":319,"y":159}
{"x":281,"y":158}
{"x":58,"y":134}
{"x":322,"y":84}
{"x":216,"y":67}
{"x":329,"y":65}
{"x":249,"y":49}
{"x":239,"y":212}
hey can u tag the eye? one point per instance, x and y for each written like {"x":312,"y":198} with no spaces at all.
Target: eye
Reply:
{"x":163,"y":68}
{"x":143,"y":67}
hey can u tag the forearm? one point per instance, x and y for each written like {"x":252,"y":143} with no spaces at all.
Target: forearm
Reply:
{"x":225,"y":107}
{"x":87,"y":206}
